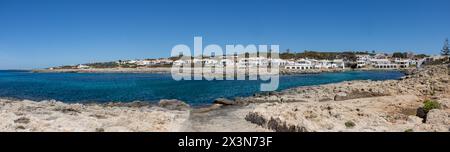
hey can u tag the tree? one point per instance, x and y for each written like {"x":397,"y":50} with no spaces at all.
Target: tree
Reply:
{"x":400,"y":55}
{"x":421,"y":56}
{"x":445,"y":50}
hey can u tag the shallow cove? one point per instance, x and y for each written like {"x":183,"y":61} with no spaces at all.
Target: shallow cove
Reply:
{"x":128,"y":87}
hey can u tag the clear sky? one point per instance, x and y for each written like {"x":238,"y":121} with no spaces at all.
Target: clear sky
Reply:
{"x":44,"y":33}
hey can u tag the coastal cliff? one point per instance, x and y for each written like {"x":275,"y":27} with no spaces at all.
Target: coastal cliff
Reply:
{"x":392,"y":105}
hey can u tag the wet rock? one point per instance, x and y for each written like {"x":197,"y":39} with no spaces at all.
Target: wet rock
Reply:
{"x":174,"y":105}
{"x":421,"y":113}
{"x":349,"y":124}
{"x":223,"y":101}
{"x":255,"y":118}
{"x":436,"y":116}
{"x":257,"y":95}
{"x":22,"y":120}
{"x":241,"y":101}
{"x":99,"y":130}
{"x":207,"y":109}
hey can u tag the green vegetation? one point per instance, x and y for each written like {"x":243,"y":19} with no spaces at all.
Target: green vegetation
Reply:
{"x":350,"y":124}
{"x":409,"y":130}
{"x":430,"y":104}
{"x":445,"y":49}
{"x":103,"y":65}
{"x":66,"y":67}
{"x":421,"y":56}
{"x":128,"y":65}
{"x":400,"y":55}
{"x":349,"y":56}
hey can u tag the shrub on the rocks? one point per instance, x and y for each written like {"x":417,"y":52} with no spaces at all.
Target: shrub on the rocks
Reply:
{"x":409,"y":130}
{"x":350,"y":124}
{"x":430,"y":104}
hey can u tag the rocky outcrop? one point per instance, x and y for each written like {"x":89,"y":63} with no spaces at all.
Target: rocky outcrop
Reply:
{"x":173,"y":104}
{"x":356,"y":94}
{"x":56,"y":116}
{"x":438,"y":117}
{"x":389,"y":113}
{"x":273,"y":123}
{"x":224,"y":101}
{"x":392,"y":105}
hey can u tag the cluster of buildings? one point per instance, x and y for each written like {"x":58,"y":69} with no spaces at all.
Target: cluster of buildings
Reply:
{"x":306,"y":64}
{"x":235,"y":60}
{"x":147,"y":62}
{"x":381,"y":61}
{"x":301,"y":64}
{"x":377,"y":61}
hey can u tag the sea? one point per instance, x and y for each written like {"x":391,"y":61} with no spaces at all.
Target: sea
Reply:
{"x":129,"y":87}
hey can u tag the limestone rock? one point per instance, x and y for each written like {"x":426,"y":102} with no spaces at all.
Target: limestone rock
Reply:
{"x":437,"y":116}
{"x":223,"y":101}
{"x":173,"y":104}
{"x":414,"y":120}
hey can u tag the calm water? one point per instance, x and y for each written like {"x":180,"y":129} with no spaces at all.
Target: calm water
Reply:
{"x":77,"y":87}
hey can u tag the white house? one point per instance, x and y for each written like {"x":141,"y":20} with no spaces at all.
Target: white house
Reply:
{"x":338,"y":63}
{"x":225,"y":62}
{"x":323,"y":64}
{"x":383,"y":64}
{"x":253,"y":62}
{"x":179,"y":62}
{"x":402,"y":63}
{"x":209,"y":62}
{"x":363,"y":60}
{"x":81,"y":66}
{"x":146,"y":62}
{"x":131,"y":61}
{"x":301,"y":64}
{"x":279,"y":62}
{"x":163,"y":61}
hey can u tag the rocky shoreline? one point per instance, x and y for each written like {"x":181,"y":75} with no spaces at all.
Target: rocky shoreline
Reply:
{"x":391,"y":105}
{"x":53,"y":116}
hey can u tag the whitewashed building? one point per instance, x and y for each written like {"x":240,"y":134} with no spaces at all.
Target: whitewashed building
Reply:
{"x":363,"y":60}
{"x":323,"y":64}
{"x":338,"y":63}
{"x":82,"y":66}
{"x":402,"y":63}
{"x":383,"y":64}
{"x":302,"y":64}
{"x":146,"y":62}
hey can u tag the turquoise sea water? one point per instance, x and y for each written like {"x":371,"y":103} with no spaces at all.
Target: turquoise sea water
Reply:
{"x":120,"y":87}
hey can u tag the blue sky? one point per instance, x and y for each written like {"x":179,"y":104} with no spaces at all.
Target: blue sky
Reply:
{"x":44,"y":33}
